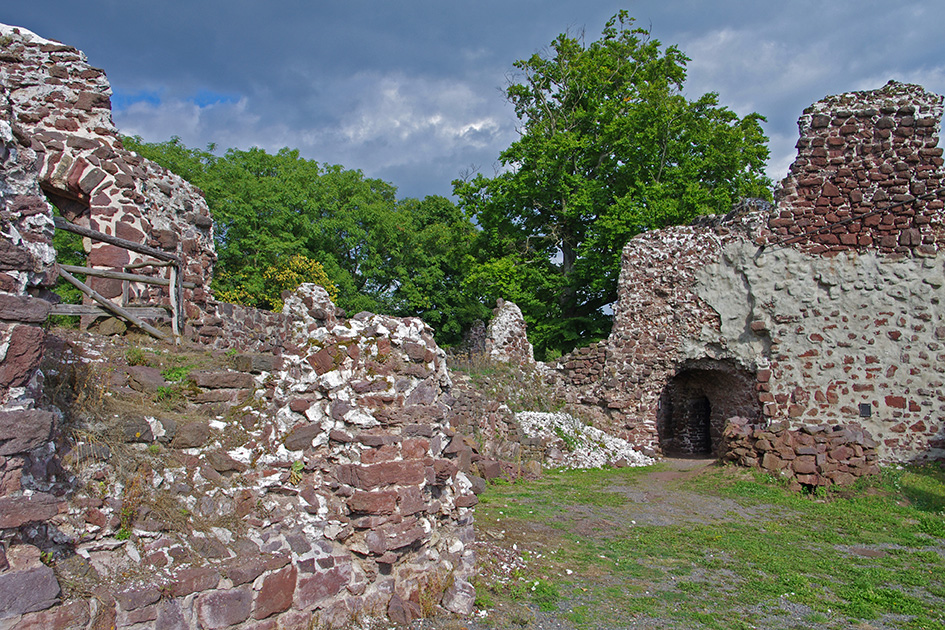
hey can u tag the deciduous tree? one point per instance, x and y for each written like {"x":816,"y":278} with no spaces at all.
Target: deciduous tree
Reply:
{"x":609,"y":146}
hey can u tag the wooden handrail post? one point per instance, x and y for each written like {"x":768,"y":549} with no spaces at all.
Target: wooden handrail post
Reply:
{"x":174,"y":289}
{"x":111,"y":306}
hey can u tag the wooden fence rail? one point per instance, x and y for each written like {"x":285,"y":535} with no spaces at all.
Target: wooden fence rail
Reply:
{"x":175,"y":283}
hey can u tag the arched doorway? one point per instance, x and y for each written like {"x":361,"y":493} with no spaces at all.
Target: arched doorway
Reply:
{"x":698,"y":400}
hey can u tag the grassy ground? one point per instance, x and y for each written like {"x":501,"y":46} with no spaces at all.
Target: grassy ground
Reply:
{"x":712,"y":548}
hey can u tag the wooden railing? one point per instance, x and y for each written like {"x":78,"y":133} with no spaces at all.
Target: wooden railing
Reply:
{"x":133,"y":314}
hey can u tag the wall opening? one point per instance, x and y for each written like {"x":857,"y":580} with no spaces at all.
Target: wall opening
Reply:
{"x":698,"y":400}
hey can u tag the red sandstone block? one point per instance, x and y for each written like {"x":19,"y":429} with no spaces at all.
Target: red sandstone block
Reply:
{"x":417,"y":448}
{"x":373,"y":502}
{"x":65,"y":617}
{"x":408,"y":473}
{"x":314,"y":589}
{"x":192,"y":580}
{"x":222,"y":609}
{"x":276,"y":594}
{"x":896,"y":402}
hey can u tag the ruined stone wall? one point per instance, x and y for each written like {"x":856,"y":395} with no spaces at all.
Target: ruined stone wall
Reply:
{"x":505,"y":335}
{"x":336,"y":488}
{"x":867,"y":174}
{"x":821,"y":329}
{"x":583,"y":365}
{"x":333,"y":486}
{"x":810,"y":457}
{"x":60,"y":107}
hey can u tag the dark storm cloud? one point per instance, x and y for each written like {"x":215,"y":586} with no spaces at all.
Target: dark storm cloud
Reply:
{"x":410,"y":91}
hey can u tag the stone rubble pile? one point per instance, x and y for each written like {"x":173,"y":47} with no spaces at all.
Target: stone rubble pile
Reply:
{"x":570,"y":443}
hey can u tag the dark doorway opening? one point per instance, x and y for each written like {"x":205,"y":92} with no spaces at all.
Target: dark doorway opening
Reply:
{"x":698,"y":400}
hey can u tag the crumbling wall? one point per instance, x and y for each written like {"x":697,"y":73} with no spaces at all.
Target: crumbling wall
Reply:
{"x":867,"y":174}
{"x":338,"y":491}
{"x":827,"y":306}
{"x":60,"y":106}
{"x":332,"y":485}
{"x":505,"y":335}
{"x":811,"y":456}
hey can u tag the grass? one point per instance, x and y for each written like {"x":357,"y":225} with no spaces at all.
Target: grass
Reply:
{"x":873,"y":553}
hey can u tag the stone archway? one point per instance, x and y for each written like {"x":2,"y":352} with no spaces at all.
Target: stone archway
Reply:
{"x":697,"y":401}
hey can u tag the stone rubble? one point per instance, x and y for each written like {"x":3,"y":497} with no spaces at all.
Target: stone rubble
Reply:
{"x":577,"y":445}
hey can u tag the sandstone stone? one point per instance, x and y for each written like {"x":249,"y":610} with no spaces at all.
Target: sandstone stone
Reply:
{"x":402,"y":612}
{"x":222,"y":609}
{"x":193,"y":580}
{"x":21,"y":431}
{"x":314,"y":589}
{"x":134,"y":598}
{"x":16,"y":511}
{"x":23,"y":354}
{"x":301,"y":436}
{"x":221,"y":380}
{"x":23,"y":308}
{"x":243,"y":570}
{"x":221,"y":462}
{"x":145,"y":379}
{"x":276,"y":594}
{"x":65,"y":617}
{"x":28,"y":585}
{"x":374,"y":502}
{"x":193,"y":434}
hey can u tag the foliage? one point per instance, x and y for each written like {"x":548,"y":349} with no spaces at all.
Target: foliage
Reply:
{"x":285,"y":275}
{"x":136,"y":356}
{"x":176,"y":373}
{"x":69,"y":251}
{"x":278,"y":215}
{"x":609,"y":147}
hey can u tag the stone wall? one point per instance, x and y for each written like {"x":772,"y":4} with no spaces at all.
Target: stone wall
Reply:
{"x":806,"y":331}
{"x":809,"y":456}
{"x":505,"y":336}
{"x":867,"y":174}
{"x":335,"y":485}
{"x":328,"y":488}
{"x":59,"y":107}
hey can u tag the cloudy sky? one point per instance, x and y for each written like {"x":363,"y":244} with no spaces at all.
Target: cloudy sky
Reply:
{"x":411,"y":91}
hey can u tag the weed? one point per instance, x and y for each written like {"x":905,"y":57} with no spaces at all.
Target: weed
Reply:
{"x":177,"y":373}
{"x":571,"y":442}
{"x":136,"y":356}
{"x":484,"y":598}
{"x":545,"y":595}
{"x":154,"y":449}
{"x":431,"y":591}
{"x":168,"y":397}
{"x":295,"y":474}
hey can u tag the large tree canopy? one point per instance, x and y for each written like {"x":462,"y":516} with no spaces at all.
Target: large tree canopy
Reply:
{"x":401,"y":257}
{"x":609,"y":147}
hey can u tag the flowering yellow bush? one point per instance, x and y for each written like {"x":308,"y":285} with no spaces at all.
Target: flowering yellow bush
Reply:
{"x":288,"y":274}
{"x":285,"y":275}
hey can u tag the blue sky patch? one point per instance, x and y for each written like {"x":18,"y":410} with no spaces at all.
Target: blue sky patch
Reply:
{"x":204,"y":98}
{"x":123,"y":100}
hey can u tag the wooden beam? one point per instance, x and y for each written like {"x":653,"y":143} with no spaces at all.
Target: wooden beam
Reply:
{"x":111,"y":306}
{"x":62,"y":224}
{"x":150,"y":312}
{"x":120,"y":275}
